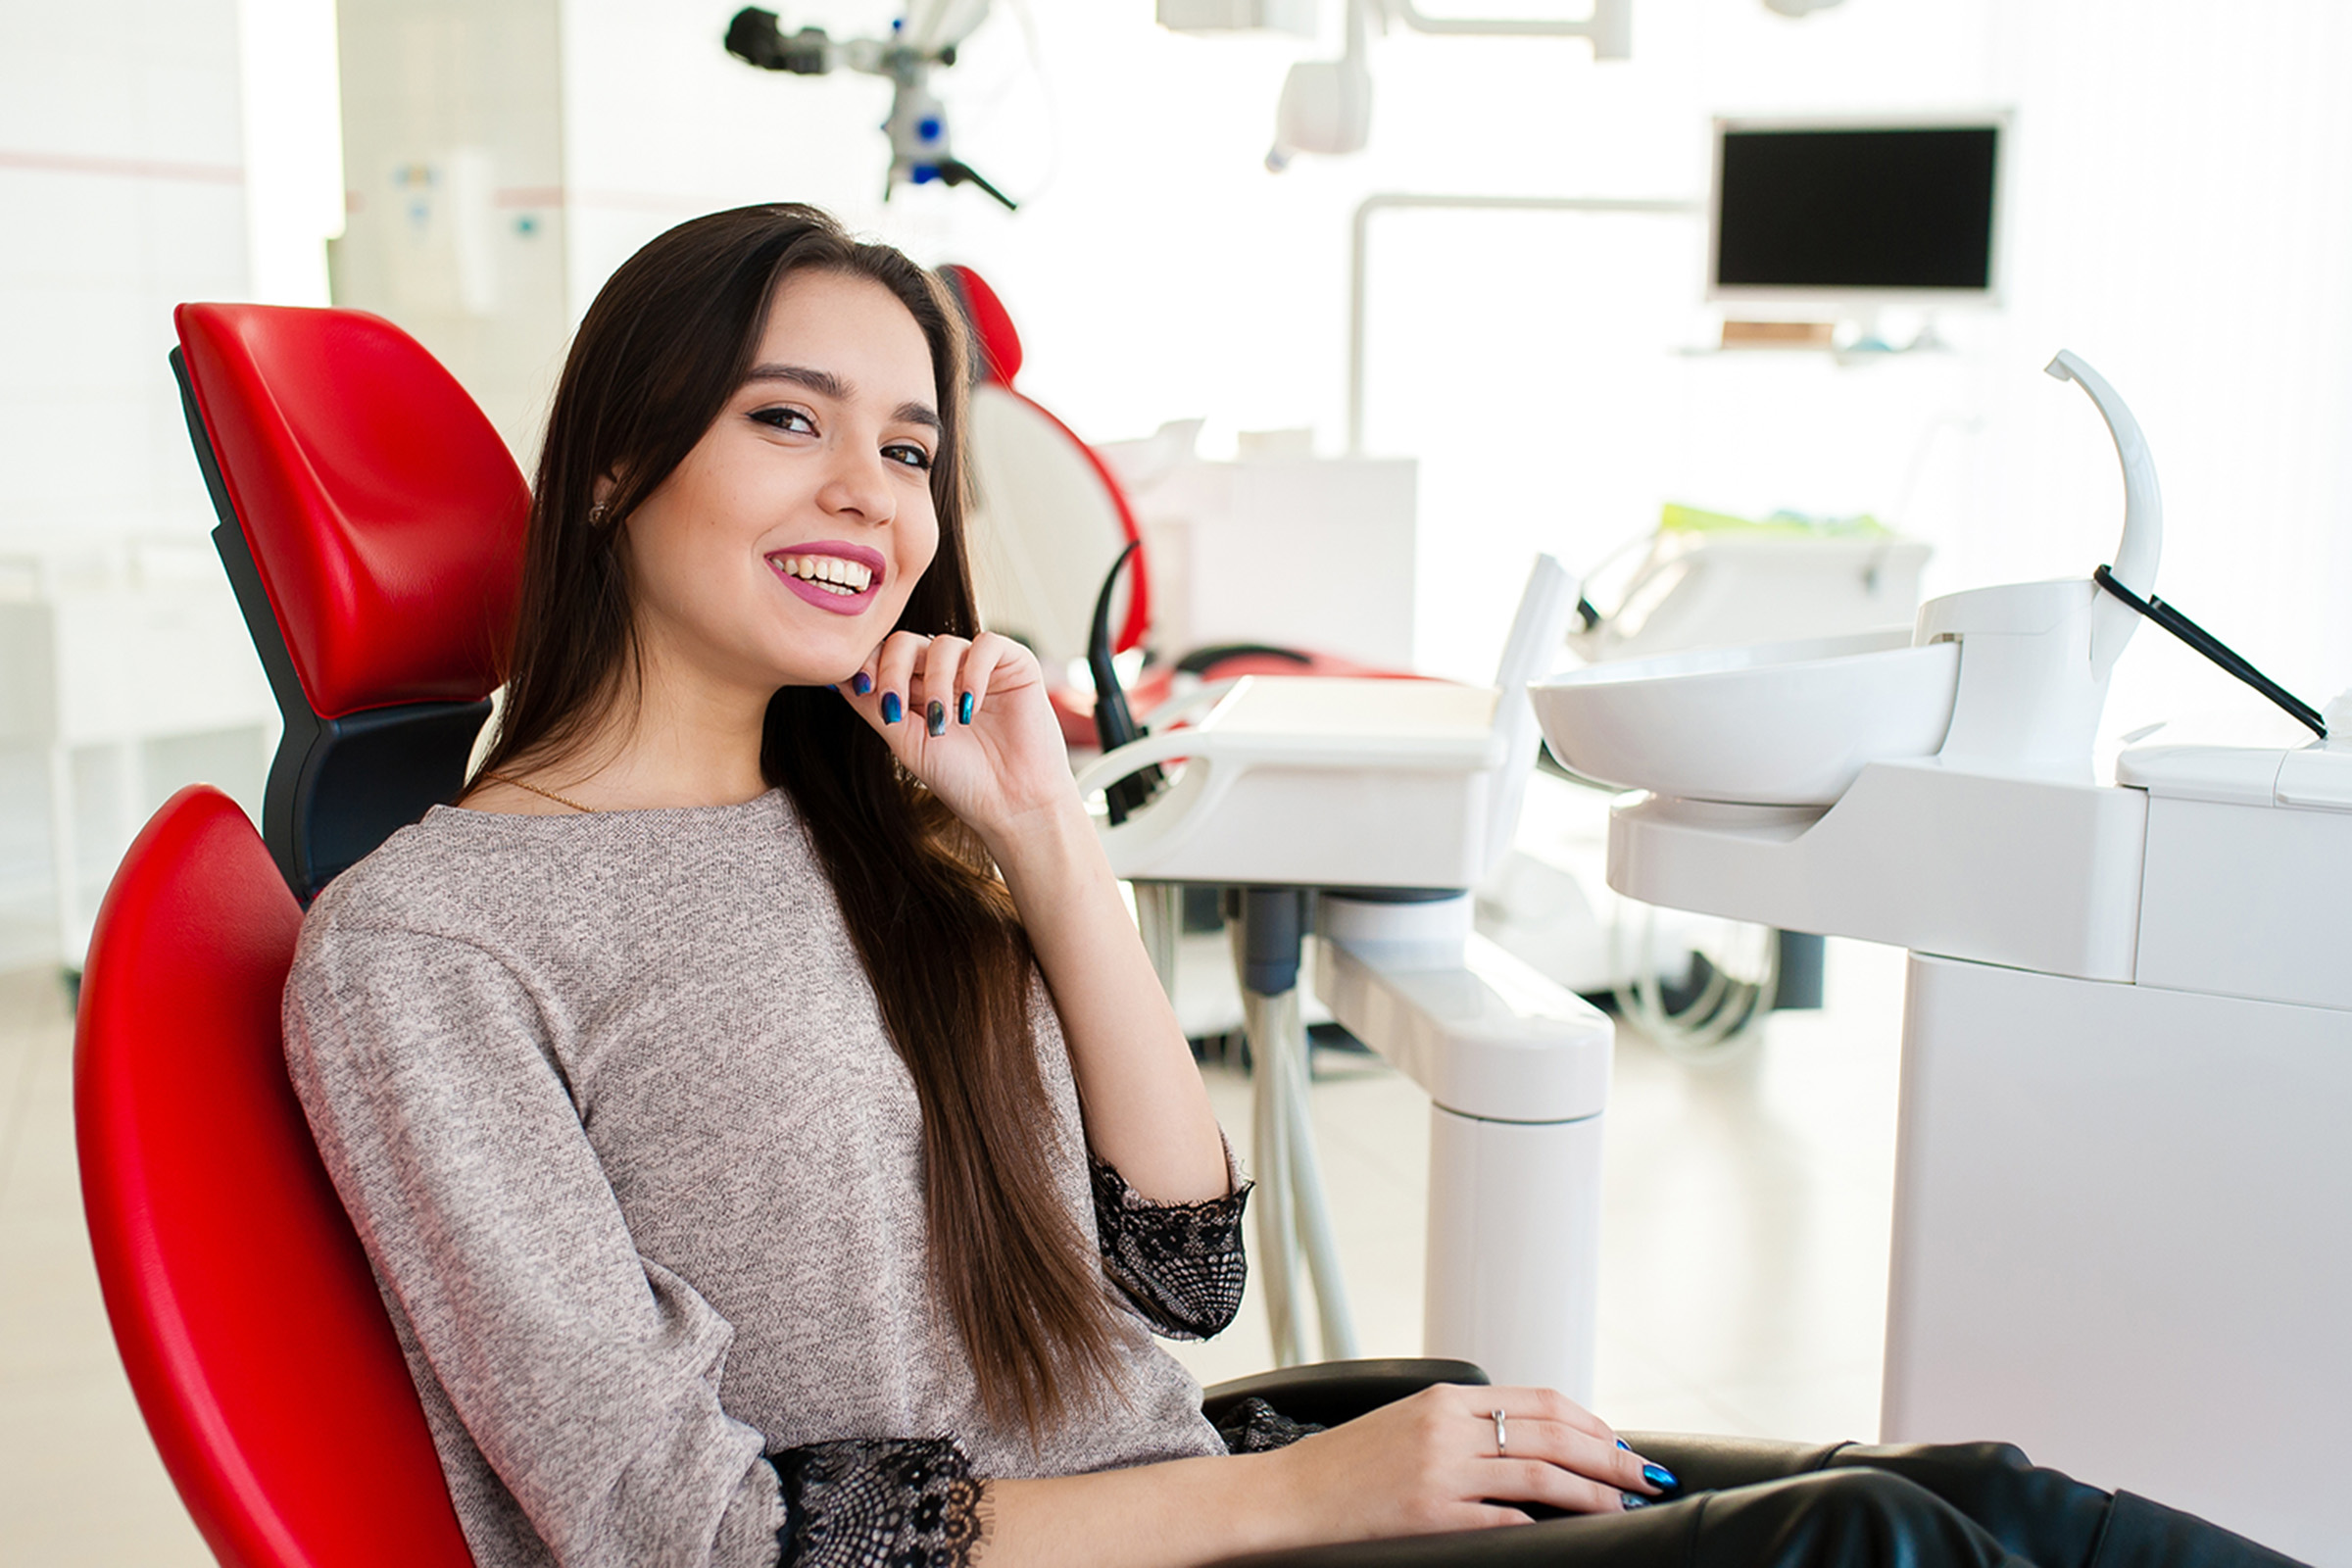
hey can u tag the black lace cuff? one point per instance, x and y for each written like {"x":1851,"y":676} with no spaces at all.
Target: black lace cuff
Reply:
{"x":879,"y":1504}
{"x":1180,"y":1263}
{"x":1255,"y":1426}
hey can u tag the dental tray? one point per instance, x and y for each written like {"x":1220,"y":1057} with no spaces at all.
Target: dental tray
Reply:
{"x":1316,"y":782}
{"x":1787,"y":723}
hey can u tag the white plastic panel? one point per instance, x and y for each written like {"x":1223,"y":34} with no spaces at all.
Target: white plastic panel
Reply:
{"x":1482,"y":1033}
{"x":2036,"y":873}
{"x":2318,"y":778}
{"x":1342,"y":782}
{"x":2235,"y":775}
{"x":2248,"y":900}
{"x":2120,"y":1241}
{"x":1514,"y":1249}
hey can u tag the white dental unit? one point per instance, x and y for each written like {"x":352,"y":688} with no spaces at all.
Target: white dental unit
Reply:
{"x":1393,"y":797}
{"x":2122,"y":1232}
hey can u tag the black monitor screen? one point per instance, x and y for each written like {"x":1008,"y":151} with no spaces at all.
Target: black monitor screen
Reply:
{"x":1856,"y":209}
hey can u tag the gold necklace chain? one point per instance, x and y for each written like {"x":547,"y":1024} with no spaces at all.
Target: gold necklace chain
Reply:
{"x":560,"y":799}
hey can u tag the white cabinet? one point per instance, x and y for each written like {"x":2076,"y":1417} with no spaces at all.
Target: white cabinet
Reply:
{"x":126,"y":672}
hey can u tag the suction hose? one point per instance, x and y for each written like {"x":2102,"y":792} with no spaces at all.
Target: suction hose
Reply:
{"x":1710,"y":1027}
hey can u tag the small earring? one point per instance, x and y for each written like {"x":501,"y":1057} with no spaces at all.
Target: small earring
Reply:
{"x":597,"y":513}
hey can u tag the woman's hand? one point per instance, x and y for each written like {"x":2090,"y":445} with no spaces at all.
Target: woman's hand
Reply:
{"x":1422,"y":1465}
{"x":973,"y":724}
{"x":1429,"y":1463}
{"x":971,"y":720}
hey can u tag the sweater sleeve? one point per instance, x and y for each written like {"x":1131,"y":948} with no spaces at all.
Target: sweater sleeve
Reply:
{"x":586,"y":1374}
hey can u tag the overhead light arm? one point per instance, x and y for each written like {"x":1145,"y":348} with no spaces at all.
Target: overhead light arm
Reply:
{"x":923,"y":40}
{"x":1611,"y":27}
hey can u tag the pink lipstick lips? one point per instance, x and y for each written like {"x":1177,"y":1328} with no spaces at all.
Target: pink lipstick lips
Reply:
{"x":843,"y":578}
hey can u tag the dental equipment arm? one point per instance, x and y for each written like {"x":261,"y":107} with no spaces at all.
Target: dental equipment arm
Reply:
{"x":1114,"y":723}
{"x":1611,"y":27}
{"x":1326,"y":105}
{"x":1390,"y":799}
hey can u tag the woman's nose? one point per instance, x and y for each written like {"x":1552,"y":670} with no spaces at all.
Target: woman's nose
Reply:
{"x":855,"y":486}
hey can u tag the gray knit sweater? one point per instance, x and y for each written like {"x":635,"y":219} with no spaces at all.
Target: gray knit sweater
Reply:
{"x":611,"y":1103}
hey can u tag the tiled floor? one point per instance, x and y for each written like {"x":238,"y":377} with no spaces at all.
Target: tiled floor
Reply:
{"x":1742,"y":1284}
{"x":1744,"y":1238}
{"x":80,"y":1483}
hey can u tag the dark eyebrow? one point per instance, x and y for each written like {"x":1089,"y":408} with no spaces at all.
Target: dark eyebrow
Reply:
{"x":822,"y":383}
{"x":826,"y":384}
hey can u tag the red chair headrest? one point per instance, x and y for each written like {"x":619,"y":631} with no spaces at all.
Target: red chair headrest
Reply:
{"x":242,"y":1303}
{"x":383,"y":511}
{"x":990,"y":323}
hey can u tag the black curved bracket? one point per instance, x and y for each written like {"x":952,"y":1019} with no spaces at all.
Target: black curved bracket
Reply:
{"x":2213,"y":648}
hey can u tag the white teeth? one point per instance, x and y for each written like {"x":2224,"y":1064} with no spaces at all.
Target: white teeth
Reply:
{"x":831,"y":573}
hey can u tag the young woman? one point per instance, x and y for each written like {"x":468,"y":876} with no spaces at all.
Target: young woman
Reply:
{"x":766,"y":1127}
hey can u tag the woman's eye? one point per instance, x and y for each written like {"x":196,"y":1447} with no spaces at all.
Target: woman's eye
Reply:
{"x":792,"y":420}
{"x":913,"y":456}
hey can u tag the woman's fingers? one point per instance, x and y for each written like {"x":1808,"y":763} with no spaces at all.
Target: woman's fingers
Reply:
{"x":894,"y":674}
{"x":1533,"y":1481}
{"x":991,"y":658}
{"x":1560,"y":1453}
{"x":934,"y":693}
{"x":1580,"y":1453}
{"x":938,"y":681}
{"x":1546,"y":1404}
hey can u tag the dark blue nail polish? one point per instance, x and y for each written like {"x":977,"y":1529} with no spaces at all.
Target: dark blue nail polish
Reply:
{"x":863,"y":684}
{"x":1634,"y":1499}
{"x":963,"y":708}
{"x":892,"y":708}
{"x":1658,"y":1475}
{"x":1626,"y":1446}
{"x":935,"y":718}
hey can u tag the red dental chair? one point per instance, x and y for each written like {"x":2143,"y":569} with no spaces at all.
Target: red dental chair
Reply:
{"x":1048,"y":527}
{"x":372,"y":524}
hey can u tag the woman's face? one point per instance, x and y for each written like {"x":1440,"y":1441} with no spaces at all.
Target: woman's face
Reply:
{"x":783,"y":548}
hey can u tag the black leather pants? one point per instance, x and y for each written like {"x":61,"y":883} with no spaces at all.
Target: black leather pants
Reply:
{"x":1755,"y":1504}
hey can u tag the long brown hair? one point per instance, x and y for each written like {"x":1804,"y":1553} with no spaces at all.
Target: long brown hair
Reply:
{"x":663,"y":349}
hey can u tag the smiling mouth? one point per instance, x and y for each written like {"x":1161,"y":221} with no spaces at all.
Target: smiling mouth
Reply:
{"x":831,"y":574}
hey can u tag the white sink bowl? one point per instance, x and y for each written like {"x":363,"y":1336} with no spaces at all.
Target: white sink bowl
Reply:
{"x":1766,"y":724}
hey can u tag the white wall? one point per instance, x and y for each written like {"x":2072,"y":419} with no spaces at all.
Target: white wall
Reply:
{"x":294,"y":194}
{"x":2179,"y":209}
{"x":2181,"y":212}
{"x":2181,"y":216}
{"x":121,"y":174}
{"x":121,"y":182}
{"x":142,"y":164}
{"x":452,"y":164}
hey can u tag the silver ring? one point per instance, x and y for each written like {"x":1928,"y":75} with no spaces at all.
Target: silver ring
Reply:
{"x":1502,"y":1437}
